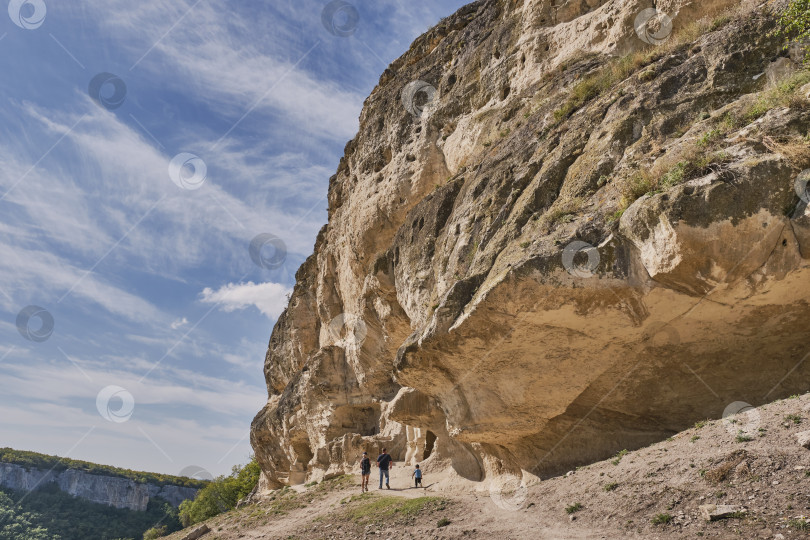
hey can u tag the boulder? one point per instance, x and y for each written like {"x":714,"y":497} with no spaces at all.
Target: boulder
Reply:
{"x":804,"y":439}
{"x":198,"y":532}
{"x":715,"y":512}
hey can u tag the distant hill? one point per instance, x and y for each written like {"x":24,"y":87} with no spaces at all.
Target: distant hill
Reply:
{"x":49,"y":497}
{"x":46,"y":462}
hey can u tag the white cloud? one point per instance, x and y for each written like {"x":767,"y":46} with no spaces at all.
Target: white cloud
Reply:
{"x":178,"y":323}
{"x":269,"y":298}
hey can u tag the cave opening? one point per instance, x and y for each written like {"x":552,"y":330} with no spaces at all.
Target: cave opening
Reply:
{"x":430,"y":440}
{"x":303,"y":453}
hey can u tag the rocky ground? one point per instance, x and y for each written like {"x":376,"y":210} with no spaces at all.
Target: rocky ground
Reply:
{"x":752,"y":462}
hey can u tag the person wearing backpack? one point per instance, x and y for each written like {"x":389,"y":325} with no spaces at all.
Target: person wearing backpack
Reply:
{"x":384,"y":462}
{"x":365,"y":471}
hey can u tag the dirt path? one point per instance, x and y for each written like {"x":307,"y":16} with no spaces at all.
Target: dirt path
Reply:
{"x":751,"y":461}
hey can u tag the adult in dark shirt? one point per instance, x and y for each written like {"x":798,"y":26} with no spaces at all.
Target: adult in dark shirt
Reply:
{"x":365,"y":470}
{"x":384,"y":462}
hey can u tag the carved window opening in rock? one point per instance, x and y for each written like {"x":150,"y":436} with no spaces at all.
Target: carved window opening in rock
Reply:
{"x":364,"y":420}
{"x":430,"y":441}
{"x":303,"y":453}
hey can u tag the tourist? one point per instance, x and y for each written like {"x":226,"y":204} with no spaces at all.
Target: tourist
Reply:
{"x":417,"y":476}
{"x":365,"y":471}
{"x":384,"y":462}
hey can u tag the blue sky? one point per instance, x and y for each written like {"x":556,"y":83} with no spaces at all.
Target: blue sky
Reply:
{"x":151,"y":286}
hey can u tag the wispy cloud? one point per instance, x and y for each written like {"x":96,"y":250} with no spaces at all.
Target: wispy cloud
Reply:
{"x":209,"y":62}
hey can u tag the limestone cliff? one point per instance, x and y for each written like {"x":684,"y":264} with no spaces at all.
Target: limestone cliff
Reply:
{"x":109,"y":490}
{"x":565,"y":228}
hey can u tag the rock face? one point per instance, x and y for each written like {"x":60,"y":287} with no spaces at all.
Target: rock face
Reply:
{"x":109,"y":490}
{"x":566,"y":250}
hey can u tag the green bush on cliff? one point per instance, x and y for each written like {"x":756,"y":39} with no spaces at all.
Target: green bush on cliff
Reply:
{"x":155,"y":532}
{"x":795,"y":21}
{"x":220,"y":495}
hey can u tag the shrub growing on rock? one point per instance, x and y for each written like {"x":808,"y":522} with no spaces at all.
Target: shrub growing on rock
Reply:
{"x":220,"y":495}
{"x":795,"y":22}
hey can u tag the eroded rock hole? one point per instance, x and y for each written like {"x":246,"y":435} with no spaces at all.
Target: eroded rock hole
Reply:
{"x":303,"y":453}
{"x":430,"y":440}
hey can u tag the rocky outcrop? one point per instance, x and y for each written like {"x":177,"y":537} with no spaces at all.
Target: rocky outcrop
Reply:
{"x":555,"y":250}
{"x":109,"y":490}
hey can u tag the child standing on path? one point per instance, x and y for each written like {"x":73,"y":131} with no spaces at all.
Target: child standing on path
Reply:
{"x":365,"y":471}
{"x":417,"y":476}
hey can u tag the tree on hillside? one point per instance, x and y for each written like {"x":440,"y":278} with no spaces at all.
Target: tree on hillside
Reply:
{"x":795,"y":22}
{"x":220,"y":495}
{"x":17,"y":525}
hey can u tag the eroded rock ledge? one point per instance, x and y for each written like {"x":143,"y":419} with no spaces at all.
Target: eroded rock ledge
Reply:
{"x":441,"y":315}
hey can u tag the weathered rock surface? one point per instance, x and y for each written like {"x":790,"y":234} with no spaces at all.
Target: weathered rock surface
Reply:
{"x":109,"y":490}
{"x":197,"y":533}
{"x":804,"y":439}
{"x":715,"y":512}
{"x":478,"y":301}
